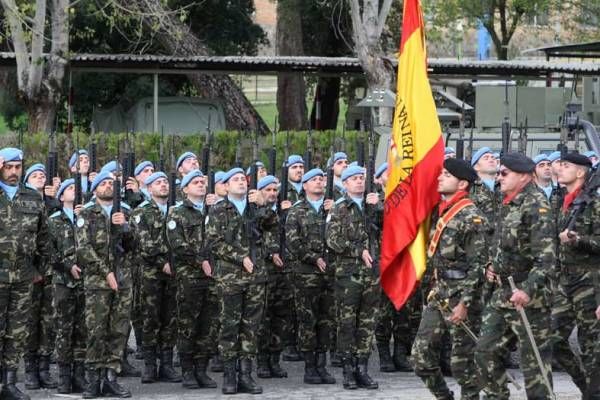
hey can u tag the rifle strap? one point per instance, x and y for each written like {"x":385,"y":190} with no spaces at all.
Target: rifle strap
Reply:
{"x":443,"y":222}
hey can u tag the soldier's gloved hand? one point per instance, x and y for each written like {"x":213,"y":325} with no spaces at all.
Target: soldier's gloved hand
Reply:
{"x":519,"y":298}
{"x":112,"y":281}
{"x":598,"y":312}
{"x":248,"y":264}
{"x":211,"y":199}
{"x":118,"y":219}
{"x":490,"y":275}
{"x":286,"y":204}
{"x":50,"y":191}
{"x":367,"y":259}
{"x":91,"y":176}
{"x":321,"y":264}
{"x":78,"y":209}
{"x":76,"y":271}
{"x":568,"y":237}
{"x":132,"y":185}
{"x":254,"y":196}
{"x":459,"y":313}
{"x":327,"y":204}
{"x":372,"y":198}
{"x":277,"y":260}
{"x":56,"y":182}
{"x":206,"y":268}
{"x":167,"y":269}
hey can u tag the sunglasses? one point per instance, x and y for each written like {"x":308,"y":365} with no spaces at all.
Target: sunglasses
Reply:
{"x":504,"y":172}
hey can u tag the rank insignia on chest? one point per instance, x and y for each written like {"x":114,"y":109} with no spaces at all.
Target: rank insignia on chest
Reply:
{"x":477,"y":220}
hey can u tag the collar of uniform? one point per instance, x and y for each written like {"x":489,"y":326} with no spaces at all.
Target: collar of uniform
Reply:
{"x":189,"y":204}
{"x":519,"y":197}
{"x":351,"y":202}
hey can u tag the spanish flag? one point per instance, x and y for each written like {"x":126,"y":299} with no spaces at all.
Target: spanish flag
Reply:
{"x":415,"y":159}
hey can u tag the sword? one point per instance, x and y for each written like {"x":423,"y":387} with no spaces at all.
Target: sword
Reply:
{"x":536,"y":350}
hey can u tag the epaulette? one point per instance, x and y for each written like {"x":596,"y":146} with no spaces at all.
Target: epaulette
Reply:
{"x":125,"y":206}
{"x":89,"y":204}
{"x":143,"y":204}
{"x":340,"y":200}
{"x":56,"y":214}
{"x":296,"y":203}
{"x":178,"y":203}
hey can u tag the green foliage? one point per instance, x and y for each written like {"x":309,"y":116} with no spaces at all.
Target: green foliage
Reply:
{"x":3,"y":127}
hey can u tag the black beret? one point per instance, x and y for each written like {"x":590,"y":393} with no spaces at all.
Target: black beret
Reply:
{"x":577,"y":158}
{"x":460,"y":169}
{"x":518,"y":162}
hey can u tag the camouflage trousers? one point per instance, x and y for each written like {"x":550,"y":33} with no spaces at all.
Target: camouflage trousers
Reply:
{"x":107,"y":318}
{"x":41,"y":325}
{"x":137,"y":316}
{"x":159,"y":310}
{"x":575,"y":305}
{"x":242,"y":308}
{"x":315,"y":311}
{"x":427,"y":348}
{"x":15,"y":301}
{"x":198,"y":315}
{"x":401,"y":324}
{"x":71,"y":334}
{"x":276,"y":328}
{"x":357,"y":297}
{"x":495,"y":337}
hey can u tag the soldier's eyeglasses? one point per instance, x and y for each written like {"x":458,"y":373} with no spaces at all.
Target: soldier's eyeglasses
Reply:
{"x":504,"y":172}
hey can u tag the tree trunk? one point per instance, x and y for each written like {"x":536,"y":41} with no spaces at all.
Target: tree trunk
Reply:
{"x":41,"y":116}
{"x":329,"y":93}
{"x":291,"y":88}
{"x":177,"y":39}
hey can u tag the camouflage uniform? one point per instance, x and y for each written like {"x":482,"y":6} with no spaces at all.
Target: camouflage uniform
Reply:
{"x":24,"y":234}
{"x":575,"y":295}
{"x":458,"y":264}
{"x":526,"y":251}
{"x":292,"y":194}
{"x":197,"y":299}
{"x":487,"y":201}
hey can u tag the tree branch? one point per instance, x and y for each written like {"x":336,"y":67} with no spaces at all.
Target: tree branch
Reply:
{"x":383,"y":14}
{"x":18,"y":40}
{"x":357,"y":23}
{"x":37,"y":48}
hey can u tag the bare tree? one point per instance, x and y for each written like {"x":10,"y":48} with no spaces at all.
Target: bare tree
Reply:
{"x":39,"y":78}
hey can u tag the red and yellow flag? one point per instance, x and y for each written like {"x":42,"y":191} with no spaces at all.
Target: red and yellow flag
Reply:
{"x":415,"y":160}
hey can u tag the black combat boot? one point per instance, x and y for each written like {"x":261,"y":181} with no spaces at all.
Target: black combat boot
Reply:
{"x":262,"y":366}
{"x":326,"y":377}
{"x":32,"y":373}
{"x":200,"y":367}
{"x":112,"y":388}
{"x":335,"y":359}
{"x":64,"y":378}
{"x":10,"y":391}
{"x":187,"y":372}
{"x":311,"y":376}
{"x":363,"y":380}
{"x":290,"y":353}
{"x":46,"y":380}
{"x":400,"y":358}
{"x":348,"y":371}
{"x":246,"y":383}
{"x":166,"y":372}
{"x":593,"y":389}
{"x":149,"y":371}
{"x":229,"y":377}
{"x":78,"y":382}
{"x":385,"y":358}
{"x":216,"y":363}
{"x":276,"y":370}
{"x":92,"y":389}
{"x":139,"y":353}
{"x":128,"y":370}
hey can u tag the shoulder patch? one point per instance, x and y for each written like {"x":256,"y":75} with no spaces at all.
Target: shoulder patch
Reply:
{"x":56,"y":214}
{"x":143,"y":204}
{"x":89,"y":204}
{"x":80,"y":222}
{"x":340,"y":200}
{"x":171,"y":225}
{"x":125,"y":206}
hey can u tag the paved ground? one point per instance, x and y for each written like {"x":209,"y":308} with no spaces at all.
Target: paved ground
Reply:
{"x":400,"y":386}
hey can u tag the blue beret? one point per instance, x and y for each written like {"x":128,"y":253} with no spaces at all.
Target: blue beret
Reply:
{"x":294,"y":159}
{"x":449,"y":150}
{"x":340,"y":155}
{"x":258,"y":164}
{"x":73,"y":159}
{"x":266,"y":181}
{"x":555,"y":155}
{"x":219,"y":175}
{"x":540,"y":157}
{"x":496,"y":155}
{"x":188,"y":178}
{"x":351,"y":171}
{"x":11,"y":154}
{"x":185,"y":156}
{"x":63,"y":186}
{"x":479,"y":153}
{"x":33,"y":168}
{"x":141,"y":166}
{"x":102,"y":176}
{"x":353,"y":164}
{"x":311,"y":174}
{"x":590,"y":154}
{"x":157,"y":175}
{"x":110,"y":166}
{"x":231,"y":173}
{"x":382,"y":168}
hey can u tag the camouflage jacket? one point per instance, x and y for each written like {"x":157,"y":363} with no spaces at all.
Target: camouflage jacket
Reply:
{"x":347,"y":235}
{"x":292,"y":194}
{"x":62,"y":240}
{"x":185,"y":225}
{"x":525,"y":246}
{"x":96,"y":240}
{"x":487,"y":202}
{"x":305,"y":241}
{"x":461,"y":256}
{"x":23,"y":234}
{"x":229,"y":240}
{"x":271,"y":246}
{"x":148,"y":227}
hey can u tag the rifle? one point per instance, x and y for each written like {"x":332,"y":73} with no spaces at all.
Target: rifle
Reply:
{"x":328,"y":196}
{"x":238,"y":151}
{"x":117,"y":248}
{"x":251,"y":232}
{"x":273,"y":151}
{"x":51,"y":160}
{"x":506,"y":128}
{"x":129,"y":161}
{"x":172,"y":195}
{"x":161,"y":150}
{"x":92,"y":151}
{"x":370,"y":225}
{"x":283,"y":189}
{"x":308,"y":154}
{"x":77,"y":175}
